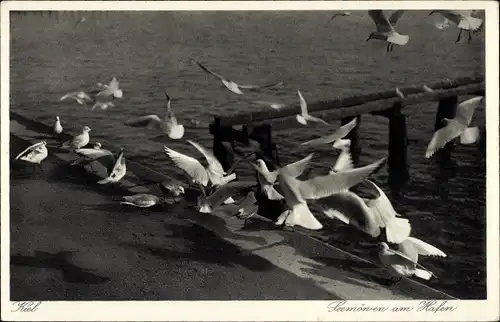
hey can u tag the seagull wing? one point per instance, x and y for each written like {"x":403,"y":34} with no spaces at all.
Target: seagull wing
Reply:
{"x":452,"y":15}
{"x":344,"y":161}
{"x":152,"y":120}
{"x":381,"y":22}
{"x":261,"y":86}
{"x":444,"y":135}
{"x":466,"y":109}
{"x":226,"y":191}
{"x":303,"y":104}
{"x":214,"y":165}
{"x":295,"y":169}
{"x":340,"y":133}
{"x":424,"y":248}
{"x":324,"y":186}
{"x":381,"y":204}
{"x":393,"y":19}
{"x":273,"y":105}
{"x":219,"y":76}
{"x":93,"y":153}
{"x":189,"y":165}
{"x":29,"y":149}
{"x":110,"y":89}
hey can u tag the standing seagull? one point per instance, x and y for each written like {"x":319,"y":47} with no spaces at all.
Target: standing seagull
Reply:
{"x":78,"y":141}
{"x":232,"y":86}
{"x":118,"y":172}
{"x":34,"y":154}
{"x":297,"y":192}
{"x":142,"y":200}
{"x":386,"y":28}
{"x":304,"y":116}
{"x":57,"y":129}
{"x":463,"y":19}
{"x":340,"y":133}
{"x":112,"y":89}
{"x":457,"y":126}
{"x":167,"y":126}
{"x":404,"y":261}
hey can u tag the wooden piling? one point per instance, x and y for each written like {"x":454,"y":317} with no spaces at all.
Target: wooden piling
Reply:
{"x":398,"y":148}
{"x":446,"y":109}
{"x":354,"y":137}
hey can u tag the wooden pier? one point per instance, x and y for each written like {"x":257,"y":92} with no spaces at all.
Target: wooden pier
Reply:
{"x":256,"y":126}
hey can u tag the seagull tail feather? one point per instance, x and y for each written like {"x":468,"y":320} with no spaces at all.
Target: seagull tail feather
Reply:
{"x":423,"y":274}
{"x":302,"y":216}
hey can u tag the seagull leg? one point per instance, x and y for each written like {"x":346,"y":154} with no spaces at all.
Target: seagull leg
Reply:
{"x":470,"y":37}
{"x":387,"y":48}
{"x":459,"y":35}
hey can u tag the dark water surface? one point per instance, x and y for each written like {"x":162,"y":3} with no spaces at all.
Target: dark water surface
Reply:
{"x":148,"y":52}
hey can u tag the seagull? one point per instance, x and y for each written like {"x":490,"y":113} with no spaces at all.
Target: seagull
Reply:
{"x":344,"y":160}
{"x":341,"y":13}
{"x":399,"y":93}
{"x":112,"y":89}
{"x":304,"y":116}
{"x":297,"y":192}
{"x":232,"y":86}
{"x":247,"y":208}
{"x":57,"y":129}
{"x":340,"y":133}
{"x":214,"y":172}
{"x":142,"y":200}
{"x":444,"y":24}
{"x":80,"y":97}
{"x":267,"y":179}
{"x":102,"y":105}
{"x":404,"y":261}
{"x":78,"y":141}
{"x":207,"y":204}
{"x":463,"y":19}
{"x":118,"y":172}
{"x":367,"y":215}
{"x":167,"y":126}
{"x":88,"y":155}
{"x":273,"y":105}
{"x":82,"y":19}
{"x":385,"y":28}
{"x":34,"y":154}
{"x":427,"y":89}
{"x":457,"y":126}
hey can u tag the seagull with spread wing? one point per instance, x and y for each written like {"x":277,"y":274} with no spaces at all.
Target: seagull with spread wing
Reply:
{"x":268,"y":179}
{"x":112,"y":89}
{"x":168,"y":125}
{"x":340,"y":133}
{"x":89,"y":155}
{"x":80,"y":97}
{"x":232,"y":86}
{"x":367,"y":215}
{"x":344,"y":160}
{"x":117,"y":172}
{"x":297,"y":192}
{"x":386,"y":28}
{"x":463,"y":19}
{"x":457,"y":126}
{"x":304,"y":116}
{"x":340,"y":14}
{"x":404,"y":260}
{"x":207,"y":204}
{"x":34,"y":154}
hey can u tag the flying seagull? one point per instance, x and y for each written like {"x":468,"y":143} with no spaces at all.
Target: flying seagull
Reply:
{"x":232,"y":86}
{"x":344,"y":160}
{"x":457,"y":126}
{"x":297,"y":192}
{"x":112,"y":89}
{"x":304,"y":116}
{"x":386,"y":28}
{"x":340,"y":133}
{"x":463,"y":19}
{"x":102,"y":105}
{"x":168,"y":125}
{"x":80,"y":97}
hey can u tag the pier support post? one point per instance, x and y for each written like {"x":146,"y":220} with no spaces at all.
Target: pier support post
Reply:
{"x":446,"y":109}
{"x":220,"y":134}
{"x":262,"y":134}
{"x":354,"y":137}
{"x":398,"y":148}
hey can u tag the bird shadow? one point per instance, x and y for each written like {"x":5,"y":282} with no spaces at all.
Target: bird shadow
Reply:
{"x":58,"y":261}
{"x":204,"y":246}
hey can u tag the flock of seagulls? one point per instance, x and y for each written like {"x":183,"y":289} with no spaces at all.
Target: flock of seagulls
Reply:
{"x":328,"y":194}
